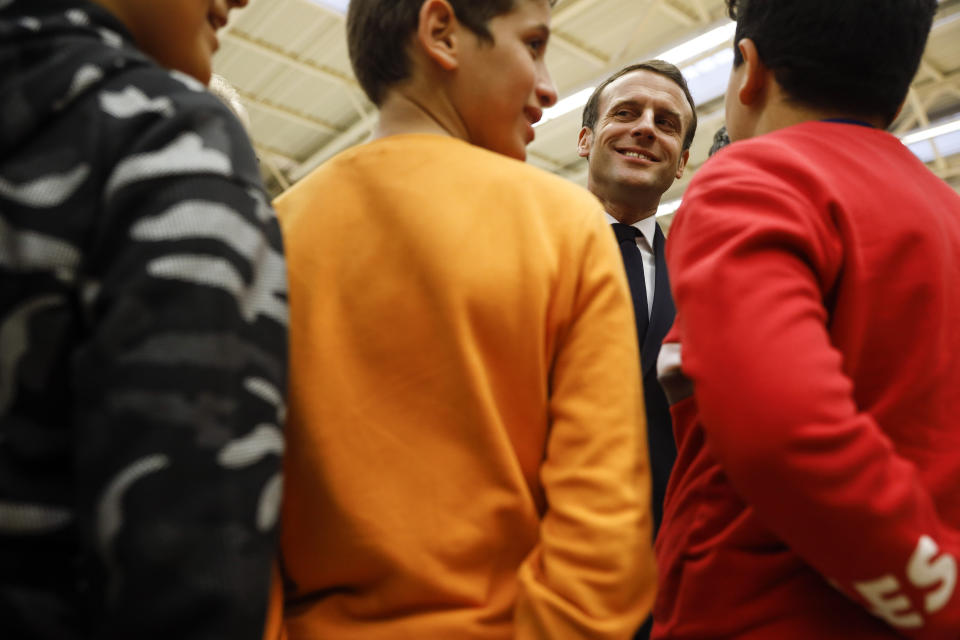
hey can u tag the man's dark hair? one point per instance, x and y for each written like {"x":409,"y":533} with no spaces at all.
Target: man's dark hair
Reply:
{"x":854,"y":56}
{"x":720,"y":140}
{"x":379,"y":32}
{"x":591,"y":111}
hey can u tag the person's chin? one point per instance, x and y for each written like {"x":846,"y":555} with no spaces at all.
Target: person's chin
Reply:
{"x":201,"y":74}
{"x":202,"y":60}
{"x":196,"y":62}
{"x":201,"y":68}
{"x":509,"y":148}
{"x":516,"y":149}
{"x":636,"y":174}
{"x":636,"y":180}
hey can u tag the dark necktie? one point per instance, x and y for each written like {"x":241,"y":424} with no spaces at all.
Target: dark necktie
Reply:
{"x":633,"y":263}
{"x":658,"y":241}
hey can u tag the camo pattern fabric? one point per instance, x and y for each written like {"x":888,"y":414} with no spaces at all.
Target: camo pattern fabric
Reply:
{"x":143,"y":315}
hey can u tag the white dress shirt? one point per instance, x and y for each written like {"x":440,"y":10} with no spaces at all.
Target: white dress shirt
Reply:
{"x":647,"y":228}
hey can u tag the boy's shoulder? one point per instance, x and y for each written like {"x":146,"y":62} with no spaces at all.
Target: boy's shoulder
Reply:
{"x":429,"y":170}
{"x":460,"y":164}
{"x":785,"y":153}
{"x":811,"y":137}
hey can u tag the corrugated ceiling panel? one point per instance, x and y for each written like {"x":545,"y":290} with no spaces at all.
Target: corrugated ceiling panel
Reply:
{"x":305,"y":93}
{"x":285,"y":137}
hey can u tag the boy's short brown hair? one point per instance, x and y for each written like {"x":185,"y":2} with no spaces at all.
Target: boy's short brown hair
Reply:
{"x":379,"y":31}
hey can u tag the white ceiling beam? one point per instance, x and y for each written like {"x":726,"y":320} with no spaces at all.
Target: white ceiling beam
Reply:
{"x":268,"y":159}
{"x":286,"y":160}
{"x":951,"y":172}
{"x":926,"y":94}
{"x":920,"y":112}
{"x":288,"y":114}
{"x":315,"y":70}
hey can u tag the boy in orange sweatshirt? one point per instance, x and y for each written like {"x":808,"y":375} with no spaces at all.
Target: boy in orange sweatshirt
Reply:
{"x":467,"y":443}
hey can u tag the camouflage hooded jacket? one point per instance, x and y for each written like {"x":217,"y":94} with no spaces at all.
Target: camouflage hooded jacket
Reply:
{"x":142,"y":343}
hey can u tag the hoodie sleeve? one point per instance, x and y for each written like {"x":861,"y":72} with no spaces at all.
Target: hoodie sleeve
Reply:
{"x":181,"y":377}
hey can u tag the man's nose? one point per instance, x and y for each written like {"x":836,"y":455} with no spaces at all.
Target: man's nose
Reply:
{"x":645,"y":124}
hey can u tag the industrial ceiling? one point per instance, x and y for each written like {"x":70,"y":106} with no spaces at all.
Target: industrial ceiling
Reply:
{"x":288,"y":60}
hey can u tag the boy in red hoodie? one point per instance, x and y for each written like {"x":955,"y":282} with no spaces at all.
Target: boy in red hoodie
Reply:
{"x":815,"y":265}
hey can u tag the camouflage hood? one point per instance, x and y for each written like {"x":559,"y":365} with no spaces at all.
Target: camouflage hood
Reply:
{"x":41,"y":78}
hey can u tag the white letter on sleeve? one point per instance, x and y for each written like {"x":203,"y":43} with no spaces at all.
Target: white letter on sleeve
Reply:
{"x":889,"y":602}
{"x":923,"y":572}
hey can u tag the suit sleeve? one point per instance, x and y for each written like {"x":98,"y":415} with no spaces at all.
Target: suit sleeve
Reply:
{"x":592,"y":574}
{"x":752,"y":259}
{"x":180,"y":381}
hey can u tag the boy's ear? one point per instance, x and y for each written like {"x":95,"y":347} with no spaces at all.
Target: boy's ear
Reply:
{"x":584,"y":142}
{"x":437,"y":33}
{"x":753,"y":81}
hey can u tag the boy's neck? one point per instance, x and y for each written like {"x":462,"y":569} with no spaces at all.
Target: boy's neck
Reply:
{"x":408,"y":111}
{"x":782,"y":112}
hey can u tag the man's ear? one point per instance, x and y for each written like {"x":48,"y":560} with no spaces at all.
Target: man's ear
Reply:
{"x":437,"y":33}
{"x":753,"y":81}
{"x":584,"y":142}
{"x":684,"y":158}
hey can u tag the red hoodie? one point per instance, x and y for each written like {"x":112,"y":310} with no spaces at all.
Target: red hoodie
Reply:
{"x":816,"y":494}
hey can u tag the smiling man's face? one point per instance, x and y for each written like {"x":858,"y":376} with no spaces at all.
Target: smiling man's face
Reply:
{"x":636,"y":148}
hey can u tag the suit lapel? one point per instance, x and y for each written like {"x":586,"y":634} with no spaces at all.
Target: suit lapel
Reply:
{"x":663,"y":311}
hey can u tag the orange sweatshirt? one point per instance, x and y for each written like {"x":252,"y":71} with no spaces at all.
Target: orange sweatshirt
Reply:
{"x":466,"y":450}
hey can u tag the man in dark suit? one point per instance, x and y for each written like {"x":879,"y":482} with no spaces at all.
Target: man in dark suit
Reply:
{"x":636,"y":135}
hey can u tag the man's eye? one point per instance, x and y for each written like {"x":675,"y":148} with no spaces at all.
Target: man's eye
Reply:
{"x":537,"y":46}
